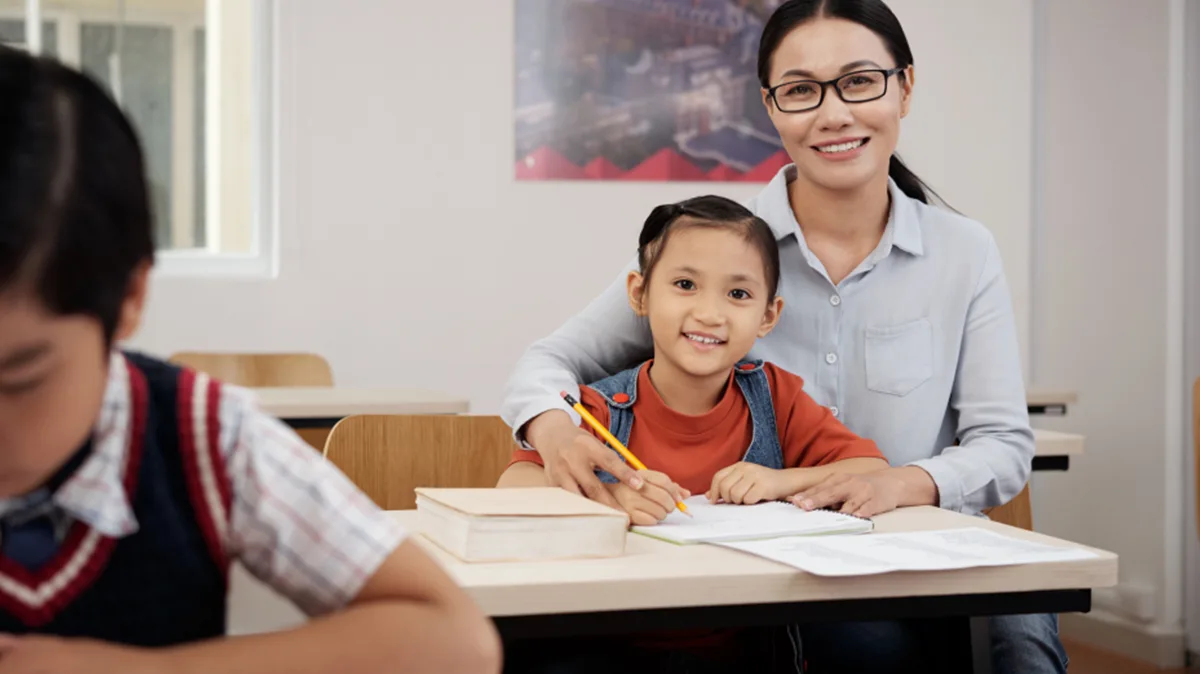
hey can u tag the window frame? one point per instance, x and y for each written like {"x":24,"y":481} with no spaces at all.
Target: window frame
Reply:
{"x":261,"y":261}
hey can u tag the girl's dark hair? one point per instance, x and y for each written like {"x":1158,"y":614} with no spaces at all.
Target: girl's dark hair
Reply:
{"x":708,"y":211}
{"x":871,"y":14}
{"x":75,"y":219}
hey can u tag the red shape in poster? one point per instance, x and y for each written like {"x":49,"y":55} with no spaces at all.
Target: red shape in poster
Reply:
{"x":546,"y":164}
{"x":724,"y":173}
{"x":601,"y":168}
{"x":666,"y":164}
{"x":765,"y":172}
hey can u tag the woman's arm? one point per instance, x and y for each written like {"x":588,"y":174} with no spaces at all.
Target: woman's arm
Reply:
{"x":994,"y":457}
{"x":604,"y":338}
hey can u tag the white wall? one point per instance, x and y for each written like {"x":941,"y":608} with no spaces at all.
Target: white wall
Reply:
{"x":409,"y":256}
{"x":1103,"y":292}
{"x":1191,"y":532}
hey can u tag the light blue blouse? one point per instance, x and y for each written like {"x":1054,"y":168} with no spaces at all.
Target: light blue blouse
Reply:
{"x":916,"y":349}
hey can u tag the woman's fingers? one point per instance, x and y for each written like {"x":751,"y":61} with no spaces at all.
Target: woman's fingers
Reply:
{"x":825,"y":497}
{"x":820,"y":489}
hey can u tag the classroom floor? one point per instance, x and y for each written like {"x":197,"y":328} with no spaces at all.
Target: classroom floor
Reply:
{"x":1090,"y":660}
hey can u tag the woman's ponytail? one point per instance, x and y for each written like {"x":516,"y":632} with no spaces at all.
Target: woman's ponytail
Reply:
{"x":911,"y":185}
{"x":906,"y":180}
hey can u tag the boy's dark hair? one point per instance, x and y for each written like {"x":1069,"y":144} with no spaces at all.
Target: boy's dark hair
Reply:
{"x":75,"y":218}
{"x":708,"y":211}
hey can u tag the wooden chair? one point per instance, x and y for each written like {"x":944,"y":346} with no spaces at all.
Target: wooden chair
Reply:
{"x":388,"y":456}
{"x":1018,"y":512}
{"x":259,"y":370}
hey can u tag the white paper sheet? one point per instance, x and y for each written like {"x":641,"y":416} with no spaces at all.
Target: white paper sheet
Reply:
{"x":916,"y":551}
{"x":726,"y":522}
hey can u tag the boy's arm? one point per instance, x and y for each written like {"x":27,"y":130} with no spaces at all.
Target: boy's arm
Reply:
{"x":380,"y":603}
{"x":410,"y":616}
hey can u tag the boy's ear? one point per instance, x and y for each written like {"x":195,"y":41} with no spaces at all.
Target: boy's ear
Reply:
{"x":771,"y":317}
{"x":134,"y":303}
{"x":635,"y":285}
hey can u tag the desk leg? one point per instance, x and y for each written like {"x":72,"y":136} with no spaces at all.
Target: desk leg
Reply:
{"x":981,"y":645}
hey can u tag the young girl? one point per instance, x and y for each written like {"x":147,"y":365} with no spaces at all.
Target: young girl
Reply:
{"x":128,"y":486}
{"x":698,"y":414}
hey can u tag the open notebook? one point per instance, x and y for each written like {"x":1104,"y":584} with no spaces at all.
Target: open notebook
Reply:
{"x":725,"y":522}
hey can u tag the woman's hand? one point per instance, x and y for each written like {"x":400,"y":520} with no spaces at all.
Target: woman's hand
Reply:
{"x":571,"y":456}
{"x":653,"y":502}
{"x":859,"y":495}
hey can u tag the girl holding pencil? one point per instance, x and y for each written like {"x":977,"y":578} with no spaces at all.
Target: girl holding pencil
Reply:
{"x":698,"y":417}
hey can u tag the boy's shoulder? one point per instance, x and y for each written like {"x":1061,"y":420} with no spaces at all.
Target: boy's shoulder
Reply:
{"x":183,"y":390}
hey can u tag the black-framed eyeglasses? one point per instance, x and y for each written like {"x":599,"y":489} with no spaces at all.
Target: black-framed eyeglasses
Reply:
{"x":859,"y":86}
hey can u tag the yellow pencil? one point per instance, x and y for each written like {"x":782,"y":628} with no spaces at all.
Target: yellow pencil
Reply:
{"x":612,"y":441}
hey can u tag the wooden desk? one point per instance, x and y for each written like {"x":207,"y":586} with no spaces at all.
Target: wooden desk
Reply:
{"x":656,"y":585}
{"x":1049,"y":401}
{"x":1053,"y":450}
{"x":313,"y":411}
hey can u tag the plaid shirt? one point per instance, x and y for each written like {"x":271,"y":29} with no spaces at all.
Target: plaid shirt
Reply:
{"x":296,"y":522}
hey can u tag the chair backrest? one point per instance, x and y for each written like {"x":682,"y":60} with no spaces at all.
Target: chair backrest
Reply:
{"x":388,"y":456}
{"x":260,"y":369}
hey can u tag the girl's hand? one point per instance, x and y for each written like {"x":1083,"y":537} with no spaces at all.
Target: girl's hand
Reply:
{"x":653,"y":502}
{"x":860,"y":495}
{"x":746,"y":484}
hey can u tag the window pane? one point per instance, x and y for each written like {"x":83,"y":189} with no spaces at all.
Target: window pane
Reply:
{"x":199,"y":105}
{"x":162,"y":84}
{"x":12,"y":30}
{"x":145,"y":69}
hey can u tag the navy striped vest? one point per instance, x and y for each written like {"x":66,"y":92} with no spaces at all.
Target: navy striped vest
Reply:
{"x":166,"y":583}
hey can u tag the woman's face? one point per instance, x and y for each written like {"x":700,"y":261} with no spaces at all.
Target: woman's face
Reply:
{"x":839,"y":146}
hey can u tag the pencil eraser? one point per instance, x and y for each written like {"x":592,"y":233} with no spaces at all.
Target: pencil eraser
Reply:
{"x":562,"y":393}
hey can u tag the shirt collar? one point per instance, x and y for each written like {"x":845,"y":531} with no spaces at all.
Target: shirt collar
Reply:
{"x":903,"y":229}
{"x":96,"y":494}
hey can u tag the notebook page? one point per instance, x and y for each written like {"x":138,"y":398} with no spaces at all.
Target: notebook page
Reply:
{"x":725,"y":522}
{"x":913,"y":551}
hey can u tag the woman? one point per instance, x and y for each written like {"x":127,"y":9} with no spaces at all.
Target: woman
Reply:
{"x":898,"y":318}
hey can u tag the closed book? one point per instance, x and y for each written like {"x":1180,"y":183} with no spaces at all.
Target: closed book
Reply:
{"x":524,"y":524}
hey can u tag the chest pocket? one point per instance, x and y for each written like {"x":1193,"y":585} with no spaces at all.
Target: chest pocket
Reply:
{"x":899,"y":358}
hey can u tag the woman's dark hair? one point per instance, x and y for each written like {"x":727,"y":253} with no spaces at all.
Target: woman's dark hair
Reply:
{"x":714,"y":212}
{"x":871,"y":14}
{"x":75,"y":219}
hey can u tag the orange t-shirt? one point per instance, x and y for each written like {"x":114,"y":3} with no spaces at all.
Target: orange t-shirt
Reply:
{"x":692,"y":449}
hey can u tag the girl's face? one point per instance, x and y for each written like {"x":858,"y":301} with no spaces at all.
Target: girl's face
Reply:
{"x":838,"y":146}
{"x":706,"y":300}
